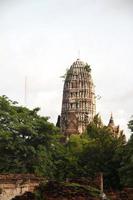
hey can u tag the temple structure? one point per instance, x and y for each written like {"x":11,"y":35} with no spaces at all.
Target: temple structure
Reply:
{"x":115,"y":129}
{"x":78,"y":104}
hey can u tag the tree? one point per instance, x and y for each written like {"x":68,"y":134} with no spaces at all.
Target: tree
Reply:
{"x":126,"y":170}
{"x":130,"y":125}
{"x":31,"y":144}
{"x":25,"y":139}
{"x":102,"y":154}
{"x":97,"y":150}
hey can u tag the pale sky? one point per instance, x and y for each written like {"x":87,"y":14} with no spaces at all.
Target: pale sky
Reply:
{"x":41,"y":38}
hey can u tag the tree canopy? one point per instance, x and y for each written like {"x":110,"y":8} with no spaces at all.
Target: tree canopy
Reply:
{"x":126,"y":170}
{"x":29,"y":143}
{"x":25,"y":139}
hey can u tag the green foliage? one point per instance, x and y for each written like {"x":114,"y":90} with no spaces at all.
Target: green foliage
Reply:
{"x":25,"y":139}
{"x":102,"y":154}
{"x":87,"y":67}
{"x":30,"y":144}
{"x":126,"y":170}
{"x":97,"y":150}
{"x":130,"y":125}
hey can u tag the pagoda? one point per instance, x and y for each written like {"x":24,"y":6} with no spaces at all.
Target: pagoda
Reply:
{"x":78,"y":104}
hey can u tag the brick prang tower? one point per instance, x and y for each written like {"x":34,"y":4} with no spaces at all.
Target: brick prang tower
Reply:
{"x":78,"y":104}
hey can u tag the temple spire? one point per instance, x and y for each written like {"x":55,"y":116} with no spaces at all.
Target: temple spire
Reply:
{"x":78,"y":55}
{"x":111,"y":121}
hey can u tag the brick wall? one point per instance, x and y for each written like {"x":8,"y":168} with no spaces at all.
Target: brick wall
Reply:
{"x":12,"y":185}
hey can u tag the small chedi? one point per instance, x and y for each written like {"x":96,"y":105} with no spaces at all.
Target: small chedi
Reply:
{"x":78,"y":104}
{"x":115,"y":129}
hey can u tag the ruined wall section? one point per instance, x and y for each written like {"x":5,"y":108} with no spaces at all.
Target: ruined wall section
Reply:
{"x":78,"y":105}
{"x":12,"y":185}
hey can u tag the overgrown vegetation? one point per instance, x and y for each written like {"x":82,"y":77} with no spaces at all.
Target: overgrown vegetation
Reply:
{"x":87,"y":67}
{"x":60,"y":191}
{"x":31,"y":144}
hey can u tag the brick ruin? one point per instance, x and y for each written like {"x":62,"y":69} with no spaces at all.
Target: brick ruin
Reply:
{"x":78,"y":104}
{"x":12,"y":185}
